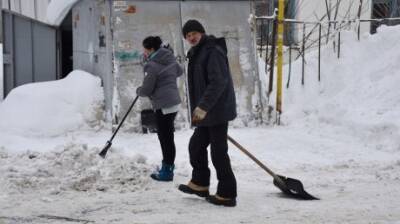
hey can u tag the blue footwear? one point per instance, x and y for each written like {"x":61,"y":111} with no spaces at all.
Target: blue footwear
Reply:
{"x":166,"y":173}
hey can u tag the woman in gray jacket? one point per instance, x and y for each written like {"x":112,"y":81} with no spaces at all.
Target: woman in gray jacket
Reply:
{"x":160,"y":85}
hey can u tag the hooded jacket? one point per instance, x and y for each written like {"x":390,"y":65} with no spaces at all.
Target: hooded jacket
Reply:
{"x":159,"y":84}
{"x":210,"y":81}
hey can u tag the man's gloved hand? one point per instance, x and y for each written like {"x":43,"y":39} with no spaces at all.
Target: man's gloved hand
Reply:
{"x":198,"y":115}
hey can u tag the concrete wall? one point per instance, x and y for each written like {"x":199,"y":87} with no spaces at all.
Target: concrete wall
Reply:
{"x":92,"y":42}
{"x":229,"y":20}
{"x":118,"y":60}
{"x":134,"y":20}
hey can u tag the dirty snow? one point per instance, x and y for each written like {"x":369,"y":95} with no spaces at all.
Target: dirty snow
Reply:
{"x":339,"y":137}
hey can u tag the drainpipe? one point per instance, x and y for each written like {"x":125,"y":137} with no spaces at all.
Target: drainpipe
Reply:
{"x":1,"y":54}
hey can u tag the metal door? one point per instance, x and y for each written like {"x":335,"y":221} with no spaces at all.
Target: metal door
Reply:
{"x":29,"y":51}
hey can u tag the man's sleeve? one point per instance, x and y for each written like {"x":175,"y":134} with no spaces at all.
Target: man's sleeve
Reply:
{"x":217,"y":71}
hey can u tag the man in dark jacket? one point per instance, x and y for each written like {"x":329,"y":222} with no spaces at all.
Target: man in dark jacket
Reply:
{"x":212,"y":105}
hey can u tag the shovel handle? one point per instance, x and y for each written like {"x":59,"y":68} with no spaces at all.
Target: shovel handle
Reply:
{"x":253,"y":158}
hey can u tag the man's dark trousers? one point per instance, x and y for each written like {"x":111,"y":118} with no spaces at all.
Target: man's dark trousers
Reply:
{"x":216,"y":136}
{"x":165,"y":132}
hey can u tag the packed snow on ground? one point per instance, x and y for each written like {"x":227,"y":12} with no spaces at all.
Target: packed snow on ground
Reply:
{"x":340,"y":137}
{"x":58,"y":9}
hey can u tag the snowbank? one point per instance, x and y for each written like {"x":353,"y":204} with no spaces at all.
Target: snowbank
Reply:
{"x":358,"y":92}
{"x":53,"y":108}
{"x":58,"y":9}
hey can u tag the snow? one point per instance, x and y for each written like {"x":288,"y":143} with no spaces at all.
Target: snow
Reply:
{"x":58,"y":9}
{"x":340,"y":137}
{"x":54,"y":107}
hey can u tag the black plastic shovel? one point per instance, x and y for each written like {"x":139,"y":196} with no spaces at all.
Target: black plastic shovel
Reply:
{"x":104,"y":151}
{"x":289,"y":186}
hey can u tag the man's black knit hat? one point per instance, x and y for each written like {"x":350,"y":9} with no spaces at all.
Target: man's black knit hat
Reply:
{"x":192,"y":25}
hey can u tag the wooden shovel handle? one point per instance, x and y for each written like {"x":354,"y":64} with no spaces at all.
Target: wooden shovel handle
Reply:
{"x":253,"y":158}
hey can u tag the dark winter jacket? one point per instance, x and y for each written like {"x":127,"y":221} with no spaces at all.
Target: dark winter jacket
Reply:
{"x":210,"y":81}
{"x":159,"y":84}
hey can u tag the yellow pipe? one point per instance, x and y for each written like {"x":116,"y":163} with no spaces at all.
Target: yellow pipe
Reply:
{"x":281,"y":17}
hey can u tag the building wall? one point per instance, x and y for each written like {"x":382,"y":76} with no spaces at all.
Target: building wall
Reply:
{"x":134,"y":20}
{"x":230,"y":20}
{"x":92,"y":43}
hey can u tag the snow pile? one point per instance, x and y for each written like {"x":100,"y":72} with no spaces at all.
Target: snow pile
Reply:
{"x":58,"y":9}
{"x":71,"y":167}
{"x":358,"y":92}
{"x":54,"y":107}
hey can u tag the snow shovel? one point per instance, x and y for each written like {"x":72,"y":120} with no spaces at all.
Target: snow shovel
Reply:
{"x":289,"y":186}
{"x":109,"y":142}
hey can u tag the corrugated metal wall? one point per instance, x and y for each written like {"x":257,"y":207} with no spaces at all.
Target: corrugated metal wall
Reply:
{"x":35,"y":9}
{"x":29,"y":51}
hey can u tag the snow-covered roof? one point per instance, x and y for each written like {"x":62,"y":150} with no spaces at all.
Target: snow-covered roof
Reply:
{"x":58,"y":9}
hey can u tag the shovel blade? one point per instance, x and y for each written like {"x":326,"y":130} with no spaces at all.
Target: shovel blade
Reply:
{"x":104,"y":151}
{"x":293,"y":188}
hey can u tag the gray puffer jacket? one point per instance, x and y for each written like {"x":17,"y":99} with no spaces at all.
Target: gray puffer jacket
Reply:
{"x":159,"y":84}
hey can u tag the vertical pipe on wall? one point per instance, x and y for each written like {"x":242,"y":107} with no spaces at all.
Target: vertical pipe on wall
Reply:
{"x":359,"y":16}
{"x":188,"y":114}
{"x":1,"y":54}
{"x":272,"y":57}
{"x":290,"y":66}
{"x":319,"y":51}
{"x":338,"y":54}
{"x":12,"y":48}
{"x":259,"y":106}
{"x":33,"y":50}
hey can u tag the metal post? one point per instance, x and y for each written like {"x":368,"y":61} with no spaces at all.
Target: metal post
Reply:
{"x":262,"y":36}
{"x":272,"y":57}
{"x":281,"y":17}
{"x":319,"y":52}
{"x":303,"y":49}
{"x":359,"y":16}
{"x":266,"y":45}
{"x":338,"y":53}
{"x":290,"y":66}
